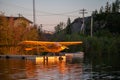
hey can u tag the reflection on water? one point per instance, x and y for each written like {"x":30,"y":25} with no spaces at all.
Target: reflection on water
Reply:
{"x":15,"y":69}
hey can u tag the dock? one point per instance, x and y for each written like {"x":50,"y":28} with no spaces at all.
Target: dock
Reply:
{"x":19,"y":56}
{"x":66,"y":57}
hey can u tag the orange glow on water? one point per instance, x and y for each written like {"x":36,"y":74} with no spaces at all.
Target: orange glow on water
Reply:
{"x":51,"y":59}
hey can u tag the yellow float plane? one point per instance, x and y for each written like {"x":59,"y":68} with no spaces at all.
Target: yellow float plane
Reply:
{"x":46,"y":46}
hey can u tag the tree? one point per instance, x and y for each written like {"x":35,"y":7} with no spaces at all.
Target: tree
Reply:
{"x":113,"y":8}
{"x":59,"y":27}
{"x":117,"y":5}
{"x":101,"y":10}
{"x":4,"y":30}
{"x":68,"y":28}
{"x":107,"y":7}
{"x":94,"y":13}
{"x":11,"y":34}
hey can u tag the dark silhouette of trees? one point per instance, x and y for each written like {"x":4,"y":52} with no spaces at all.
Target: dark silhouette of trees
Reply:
{"x":111,"y":8}
{"x":68,"y":28}
{"x":59,"y":27}
{"x":101,"y":10}
{"x":107,"y":8}
{"x":108,"y":18}
{"x":117,"y":5}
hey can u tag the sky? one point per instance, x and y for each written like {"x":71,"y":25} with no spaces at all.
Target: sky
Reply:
{"x":49,"y":13}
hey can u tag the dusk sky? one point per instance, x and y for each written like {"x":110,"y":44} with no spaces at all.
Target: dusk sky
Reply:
{"x":50,"y":12}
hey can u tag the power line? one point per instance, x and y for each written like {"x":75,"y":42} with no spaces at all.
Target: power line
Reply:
{"x":44,"y":12}
{"x":51,"y":15}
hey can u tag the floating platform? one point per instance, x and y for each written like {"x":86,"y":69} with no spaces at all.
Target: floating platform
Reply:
{"x":19,"y":56}
{"x":67,"y":56}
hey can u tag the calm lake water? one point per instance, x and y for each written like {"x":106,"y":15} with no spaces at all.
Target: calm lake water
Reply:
{"x":22,"y":69}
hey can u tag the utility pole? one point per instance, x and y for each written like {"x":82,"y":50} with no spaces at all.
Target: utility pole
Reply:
{"x":34,"y":13}
{"x":41,"y":27}
{"x":82,"y":11}
{"x":91,"y":29}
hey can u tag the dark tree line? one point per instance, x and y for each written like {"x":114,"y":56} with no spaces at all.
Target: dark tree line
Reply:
{"x":111,"y":8}
{"x":107,"y":20}
{"x":68,"y":27}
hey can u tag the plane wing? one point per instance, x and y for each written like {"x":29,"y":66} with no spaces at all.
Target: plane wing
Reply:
{"x":48,"y":43}
{"x":70,"y":43}
{"x":47,"y":46}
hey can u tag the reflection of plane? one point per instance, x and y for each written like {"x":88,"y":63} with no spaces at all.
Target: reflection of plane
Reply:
{"x":45,"y":46}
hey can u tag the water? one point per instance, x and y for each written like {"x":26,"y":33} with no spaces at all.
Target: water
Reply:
{"x":26,"y":69}
{"x":22,"y":69}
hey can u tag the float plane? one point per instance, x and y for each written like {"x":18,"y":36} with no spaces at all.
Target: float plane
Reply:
{"x":47,"y":46}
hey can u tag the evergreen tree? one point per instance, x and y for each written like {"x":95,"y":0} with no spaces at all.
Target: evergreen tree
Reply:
{"x":107,"y":7}
{"x":59,"y":27}
{"x":101,"y":10}
{"x":68,"y":28}
{"x":117,"y":5}
{"x":113,"y":8}
{"x":94,"y":13}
